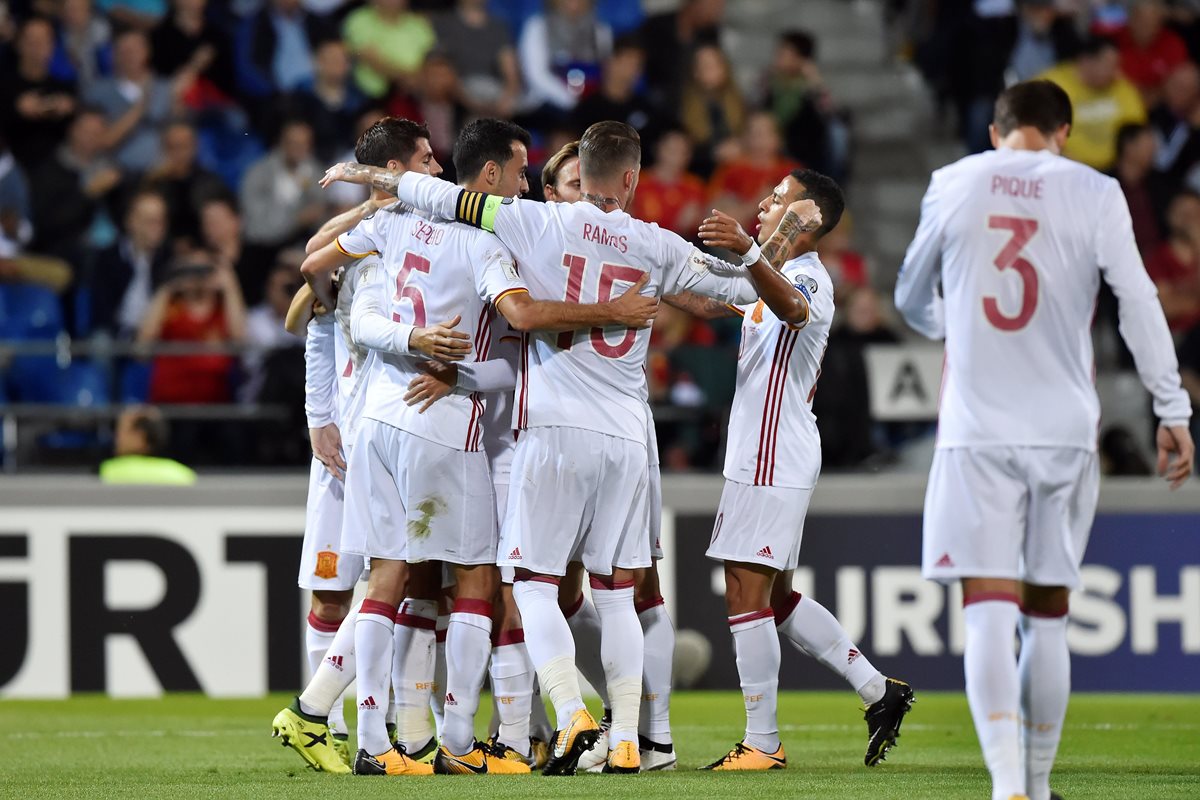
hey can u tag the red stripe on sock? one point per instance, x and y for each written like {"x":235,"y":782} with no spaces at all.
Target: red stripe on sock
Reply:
{"x":440,"y":636}
{"x":607,"y":583}
{"x":1038,"y":614}
{"x":575,"y":606}
{"x":526,"y":575}
{"x":378,"y":608}
{"x":318,"y":624}
{"x":413,"y":621}
{"x":467,"y":605}
{"x":986,"y":597}
{"x":751,"y":616}
{"x":502,"y":638}
{"x":785,"y":609}
{"x":646,"y":605}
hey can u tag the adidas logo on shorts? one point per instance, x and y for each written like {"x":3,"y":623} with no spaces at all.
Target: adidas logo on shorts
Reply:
{"x":515,"y":555}
{"x":765,"y":553}
{"x":945,"y":561}
{"x":368,"y":704}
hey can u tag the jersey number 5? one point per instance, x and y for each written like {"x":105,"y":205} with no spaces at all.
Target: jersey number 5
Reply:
{"x":1021,"y":230}
{"x":412,"y":262}
{"x":609,"y":274}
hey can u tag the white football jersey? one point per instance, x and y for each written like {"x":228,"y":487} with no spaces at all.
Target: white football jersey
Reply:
{"x":773,"y":437}
{"x":432,"y":271}
{"x":499,"y":437}
{"x":1019,"y":241}
{"x":335,"y":369}
{"x":578,"y":253}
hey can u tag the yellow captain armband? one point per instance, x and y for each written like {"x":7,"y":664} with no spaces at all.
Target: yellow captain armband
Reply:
{"x":479,"y":209}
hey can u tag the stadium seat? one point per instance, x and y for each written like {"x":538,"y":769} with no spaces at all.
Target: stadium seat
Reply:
{"x":30,"y":312}
{"x":84,"y":385}
{"x":134,"y":385}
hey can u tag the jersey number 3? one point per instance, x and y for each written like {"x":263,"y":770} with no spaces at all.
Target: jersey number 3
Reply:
{"x":1021,"y":230}
{"x":609,"y":274}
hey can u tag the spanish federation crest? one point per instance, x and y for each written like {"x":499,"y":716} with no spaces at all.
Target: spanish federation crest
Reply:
{"x":326,"y":564}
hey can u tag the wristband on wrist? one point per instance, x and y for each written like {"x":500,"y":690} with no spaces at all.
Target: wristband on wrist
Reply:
{"x":752,"y":255}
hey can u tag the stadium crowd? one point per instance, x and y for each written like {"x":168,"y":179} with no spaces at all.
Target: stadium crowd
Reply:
{"x":1131,"y":72}
{"x":159,"y":163}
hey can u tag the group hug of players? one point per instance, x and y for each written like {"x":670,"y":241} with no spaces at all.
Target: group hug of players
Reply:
{"x":477,"y":401}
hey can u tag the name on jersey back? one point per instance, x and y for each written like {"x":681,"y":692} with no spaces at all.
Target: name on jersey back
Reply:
{"x":1017,"y":187}
{"x":600,"y":235}
{"x":427,"y":233}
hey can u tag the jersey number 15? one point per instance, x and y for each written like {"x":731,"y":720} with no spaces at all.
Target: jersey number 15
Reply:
{"x":609,"y":274}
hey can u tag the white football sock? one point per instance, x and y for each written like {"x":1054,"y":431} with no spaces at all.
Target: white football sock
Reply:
{"x":654,"y":721}
{"x":539,"y":722}
{"x":585,"y":627}
{"x":468,"y":646}
{"x":812,"y":629}
{"x":412,"y":672}
{"x":551,"y":648}
{"x":373,"y":646}
{"x":318,"y":635}
{"x":622,"y":647}
{"x":993,"y":691}
{"x":756,"y":645}
{"x":1045,"y":674}
{"x":323,"y":695}
{"x":512,"y":686}
{"x":437,"y":699}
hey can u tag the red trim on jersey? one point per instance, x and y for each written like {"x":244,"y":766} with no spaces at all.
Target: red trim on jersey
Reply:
{"x":318,"y":624}
{"x":786,"y":608}
{"x":378,"y":608}
{"x":762,"y":428}
{"x":414,"y":621}
{"x":523,"y":394}
{"x":607,"y":583}
{"x":986,"y":597}
{"x":764,"y":473}
{"x":502,"y":638}
{"x":575,"y":606}
{"x":467,"y":605}
{"x":506,"y":293}
{"x":751,"y":616}
{"x":646,"y":605}
{"x":787,"y":360}
{"x":338,"y":244}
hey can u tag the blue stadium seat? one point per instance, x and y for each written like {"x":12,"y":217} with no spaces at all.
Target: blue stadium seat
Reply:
{"x":82,"y":384}
{"x":30,"y":312}
{"x":134,"y":382}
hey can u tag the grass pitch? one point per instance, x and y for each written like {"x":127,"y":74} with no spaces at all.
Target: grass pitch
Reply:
{"x":184,"y":747}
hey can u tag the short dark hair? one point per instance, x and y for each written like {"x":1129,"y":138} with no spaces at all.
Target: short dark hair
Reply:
{"x":391,"y":138}
{"x":1037,"y":104}
{"x":1094,"y":45}
{"x":149,"y":422}
{"x":486,"y":140}
{"x":800,"y":41}
{"x":824,"y":191}
{"x":1127,"y":133}
{"x":555,"y":164}
{"x":609,"y":148}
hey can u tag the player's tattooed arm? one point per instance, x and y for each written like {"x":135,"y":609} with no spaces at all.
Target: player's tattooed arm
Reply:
{"x":349,"y":172}
{"x":698,"y":305}
{"x":631,"y":310}
{"x":347,"y":220}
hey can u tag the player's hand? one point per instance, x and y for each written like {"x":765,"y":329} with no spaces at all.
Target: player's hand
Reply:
{"x":437,"y":382}
{"x":347,"y":172}
{"x":633,"y":310}
{"x":722,"y":230}
{"x":808,"y":214}
{"x":1176,"y":454}
{"x":327,"y":447}
{"x":441,"y":341}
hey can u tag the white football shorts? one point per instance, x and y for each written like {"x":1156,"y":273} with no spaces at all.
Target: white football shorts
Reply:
{"x":576,"y":495}
{"x":759,"y":525}
{"x":410,"y":499}
{"x":323,"y":565}
{"x":1023,"y":513}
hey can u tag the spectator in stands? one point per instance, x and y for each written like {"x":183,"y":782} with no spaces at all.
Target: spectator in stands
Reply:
{"x":1144,"y":190}
{"x":1176,"y":123}
{"x":712,"y":108}
{"x":198,"y":304}
{"x":221,"y":235}
{"x":1102,"y":100}
{"x":741,"y":183}
{"x":137,"y":104}
{"x":264,"y":323}
{"x":560,"y":176}
{"x":84,"y":51}
{"x":1036,"y":39}
{"x":143,"y":15}
{"x":35,"y":107}
{"x":1175,"y":266}
{"x":332,"y":103}
{"x":796,"y":95}
{"x":1149,"y":50}
{"x":342,"y":196}
{"x":1189,"y":371}
{"x":560,"y":52}
{"x":481,"y":50}
{"x":70,"y":188}
{"x":619,"y":96}
{"x":389,"y":44}
{"x":280,"y":197}
{"x":438,"y":104}
{"x":182,"y":181}
{"x":846,"y":266}
{"x":140,"y":439}
{"x":16,"y":219}
{"x":671,"y":39}
{"x":667,"y":193}
{"x":188,"y":48}
{"x":126,"y":274}
{"x":274,"y":49}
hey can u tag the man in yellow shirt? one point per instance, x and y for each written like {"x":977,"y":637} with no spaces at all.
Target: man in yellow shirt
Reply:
{"x":389,"y":43}
{"x":1103,"y":102}
{"x":141,"y":434}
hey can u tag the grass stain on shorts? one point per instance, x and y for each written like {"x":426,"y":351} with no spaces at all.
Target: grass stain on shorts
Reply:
{"x":428,"y":508}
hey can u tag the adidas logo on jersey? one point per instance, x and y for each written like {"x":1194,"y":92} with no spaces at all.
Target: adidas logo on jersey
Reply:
{"x":335,"y":662}
{"x":945,"y":561}
{"x":450,"y":701}
{"x":852,"y":655}
{"x":515,"y":555}
{"x":368,"y":704}
{"x":766,"y":553}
